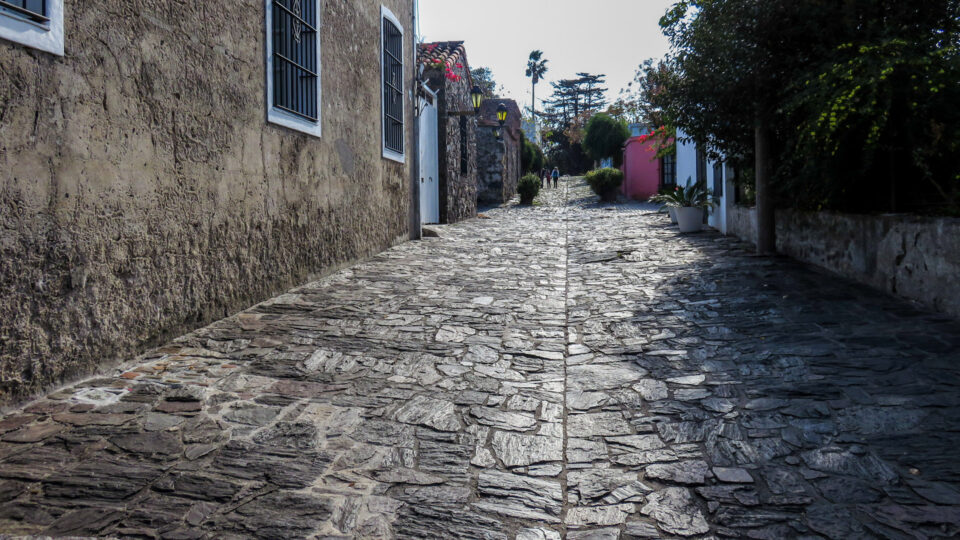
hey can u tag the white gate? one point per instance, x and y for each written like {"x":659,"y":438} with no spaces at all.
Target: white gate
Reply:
{"x":429,"y":160}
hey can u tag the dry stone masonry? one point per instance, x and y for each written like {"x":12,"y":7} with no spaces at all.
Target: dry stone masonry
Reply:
{"x":570,"y":370}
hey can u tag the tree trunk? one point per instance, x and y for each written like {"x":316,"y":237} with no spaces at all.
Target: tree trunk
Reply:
{"x":766,"y":220}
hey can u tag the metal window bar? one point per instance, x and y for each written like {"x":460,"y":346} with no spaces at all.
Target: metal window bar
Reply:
{"x":669,"y":170}
{"x":35,"y":10}
{"x":295,"y":76}
{"x":392,"y":87}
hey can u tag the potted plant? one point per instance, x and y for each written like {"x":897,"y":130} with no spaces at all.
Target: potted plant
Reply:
{"x":689,"y":204}
{"x":662,"y":197}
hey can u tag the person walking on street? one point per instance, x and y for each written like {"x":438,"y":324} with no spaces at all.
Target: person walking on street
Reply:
{"x":556,"y":176}
{"x":544,"y":178}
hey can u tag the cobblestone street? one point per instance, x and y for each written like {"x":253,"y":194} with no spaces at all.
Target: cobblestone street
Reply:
{"x":568,"y":370}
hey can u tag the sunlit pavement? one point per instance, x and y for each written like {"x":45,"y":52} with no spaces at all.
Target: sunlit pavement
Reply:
{"x":569,"y":370}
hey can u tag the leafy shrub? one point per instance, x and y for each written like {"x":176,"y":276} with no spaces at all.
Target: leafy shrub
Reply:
{"x":604,"y":137}
{"x":605,"y":182}
{"x":531,"y":157}
{"x":692,"y":196}
{"x":528,"y":188}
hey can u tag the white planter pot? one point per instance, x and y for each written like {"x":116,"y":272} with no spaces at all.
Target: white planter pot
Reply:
{"x":690,"y":219}
{"x":673,"y":214}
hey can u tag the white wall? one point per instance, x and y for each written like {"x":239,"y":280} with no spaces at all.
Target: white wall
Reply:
{"x":719,"y":212}
{"x":686,"y":160}
{"x":687,"y":168}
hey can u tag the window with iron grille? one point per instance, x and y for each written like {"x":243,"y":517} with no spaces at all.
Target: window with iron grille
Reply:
{"x":392,"y":80}
{"x":34,"y":10}
{"x":293,"y":64}
{"x":34,"y":23}
{"x":669,"y":170}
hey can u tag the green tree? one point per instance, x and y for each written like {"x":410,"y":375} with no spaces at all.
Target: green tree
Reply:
{"x":637,"y":102}
{"x":604,"y":137}
{"x":536,"y":69}
{"x":531,"y":157}
{"x":566,"y":113}
{"x":818,"y":95}
{"x":483,"y":77}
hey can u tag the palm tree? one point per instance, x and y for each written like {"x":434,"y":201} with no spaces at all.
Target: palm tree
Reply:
{"x":536,"y":67}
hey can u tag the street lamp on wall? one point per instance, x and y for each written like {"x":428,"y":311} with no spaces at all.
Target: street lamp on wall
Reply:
{"x":501,"y":118}
{"x":476,"y":96}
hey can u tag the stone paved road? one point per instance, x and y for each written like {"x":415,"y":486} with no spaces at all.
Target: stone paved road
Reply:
{"x":568,"y":370}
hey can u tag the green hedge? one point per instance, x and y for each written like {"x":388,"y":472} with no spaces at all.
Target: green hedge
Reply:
{"x":605,"y":182}
{"x":528,"y":188}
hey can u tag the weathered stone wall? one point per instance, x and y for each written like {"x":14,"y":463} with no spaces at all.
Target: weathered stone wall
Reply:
{"x":512,"y":178}
{"x":142,"y":192}
{"x":458,"y":188}
{"x":498,"y":167}
{"x":913,"y":257}
{"x":741,"y":222}
{"x":909,"y":256}
{"x":490,"y":167}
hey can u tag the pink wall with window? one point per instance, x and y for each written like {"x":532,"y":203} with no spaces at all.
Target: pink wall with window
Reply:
{"x":641,"y":168}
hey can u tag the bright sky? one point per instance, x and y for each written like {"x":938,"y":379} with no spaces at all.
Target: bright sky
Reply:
{"x":600,"y":36}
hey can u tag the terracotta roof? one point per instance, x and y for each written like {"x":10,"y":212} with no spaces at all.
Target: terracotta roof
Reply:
{"x":488,"y":114}
{"x":446,"y":52}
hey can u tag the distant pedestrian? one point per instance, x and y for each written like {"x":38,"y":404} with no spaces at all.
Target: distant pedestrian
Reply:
{"x":544,"y":178}
{"x":556,"y":176}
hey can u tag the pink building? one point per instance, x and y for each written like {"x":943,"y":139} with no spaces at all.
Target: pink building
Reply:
{"x":641,"y":168}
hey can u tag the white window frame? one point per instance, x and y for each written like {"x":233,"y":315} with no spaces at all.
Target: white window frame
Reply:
{"x":43,"y":36}
{"x":279,"y":116}
{"x":386,"y":14}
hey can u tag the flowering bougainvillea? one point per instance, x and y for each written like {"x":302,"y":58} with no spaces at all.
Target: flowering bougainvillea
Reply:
{"x":663,"y":139}
{"x":449,"y":69}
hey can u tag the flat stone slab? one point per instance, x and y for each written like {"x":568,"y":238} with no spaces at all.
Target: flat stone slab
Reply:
{"x":435,"y":413}
{"x":514,"y":449}
{"x":567,"y":370}
{"x":675,"y":512}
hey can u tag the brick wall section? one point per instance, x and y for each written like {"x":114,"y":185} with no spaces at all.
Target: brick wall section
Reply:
{"x":913,"y":257}
{"x":142,"y":193}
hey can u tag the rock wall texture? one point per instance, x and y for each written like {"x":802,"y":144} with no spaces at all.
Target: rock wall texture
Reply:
{"x":142,"y":192}
{"x":742,"y":222}
{"x":457,"y":138}
{"x":913,"y":257}
{"x":498,"y":167}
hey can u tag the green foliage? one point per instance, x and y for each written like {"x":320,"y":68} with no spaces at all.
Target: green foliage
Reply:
{"x":536,"y":69}
{"x":528,"y":188}
{"x":536,"y":66}
{"x":604,"y":137}
{"x":884,"y":116}
{"x":859,"y":95}
{"x":637,"y":102}
{"x":692,"y":196}
{"x":483,"y":77}
{"x":534,"y":156}
{"x":605,"y":182}
{"x":527,"y":155}
{"x":531,"y":156}
{"x":573,"y":102}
